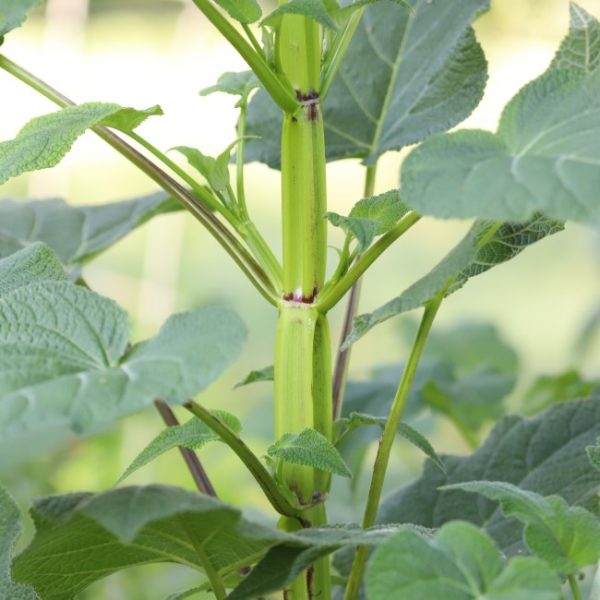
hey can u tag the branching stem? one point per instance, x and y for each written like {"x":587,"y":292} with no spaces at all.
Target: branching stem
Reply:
{"x":228,"y":241}
{"x":574,"y":586}
{"x":331,"y":297}
{"x":269,"y":486}
{"x":281,"y":93}
{"x":189,"y":456}
{"x":342,"y":361}
{"x":387,"y":440}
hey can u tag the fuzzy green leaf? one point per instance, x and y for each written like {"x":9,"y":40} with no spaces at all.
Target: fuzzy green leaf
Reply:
{"x":310,"y":449}
{"x":545,"y":455}
{"x":422,"y":73}
{"x":543,"y":158}
{"x":35,"y":263}
{"x":128,"y":119}
{"x":81,"y":538}
{"x":13,"y":13}
{"x":266,"y":374}
{"x":237,"y":84}
{"x":313,"y":9}
{"x":461,"y":563}
{"x":567,"y":538}
{"x":244,"y":11}
{"x":193,"y":435}
{"x":75,"y":233}
{"x":548,"y":390}
{"x":486,"y":245}
{"x":43,"y":142}
{"x":10,"y":530}
{"x":214,"y":170}
{"x":371,"y":217}
{"x":580,"y":50}
{"x":63,"y":360}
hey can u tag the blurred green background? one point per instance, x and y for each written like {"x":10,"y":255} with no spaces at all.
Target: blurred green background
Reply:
{"x":142,"y":52}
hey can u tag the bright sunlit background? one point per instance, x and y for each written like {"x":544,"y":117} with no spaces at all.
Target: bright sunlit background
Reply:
{"x":144,"y":52}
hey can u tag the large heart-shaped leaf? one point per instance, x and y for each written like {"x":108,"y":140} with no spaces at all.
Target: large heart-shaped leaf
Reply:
{"x":545,"y":455}
{"x":407,"y":74}
{"x":63,"y":358}
{"x":75,"y":233}
{"x":81,"y":538}
{"x":545,"y":156}
{"x":461,"y":563}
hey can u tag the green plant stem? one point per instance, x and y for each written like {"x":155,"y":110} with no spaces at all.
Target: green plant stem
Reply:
{"x":338,"y":51}
{"x":252,"y":39}
{"x":575,"y":591}
{"x":387,"y":441}
{"x":247,"y":229}
{"x":269,"y":486}
{"x":331,"y":297}
{"x":202,"y":192}
{"x":343,"y":356}
{"x":228,"y":241}
{"x":281,"y":93}
{"x":191,"y":459}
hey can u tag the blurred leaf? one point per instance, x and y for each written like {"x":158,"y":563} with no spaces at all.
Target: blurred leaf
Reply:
{"x":593,"y":453}
{"x":313,"y":9}
{"x":44,"y":141}
{"x":548,"y":390}
{"x":75,"y":233}
{"x":193,"y":435}
{"x":567,"y":538}
{"x":266,"y":374}
{"x":486,"y":245}
{"x":545,"y":455}
{"x":371,"y":217}
{"x":347,"y":425}
{"x":310,"y":449}
{"x":580,"y":50}
{"x":13,"y":13}
{"x":421,"y":73}
{"x":10,"y":530}
{"x":244,"y":11}
{"x":461,"y":563}
{"x":237,"y":84}
{"x":63,"y":361}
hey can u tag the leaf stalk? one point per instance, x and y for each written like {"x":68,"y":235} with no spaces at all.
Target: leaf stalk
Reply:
{"x":269,"y":486}
{"x":387,"y":440}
